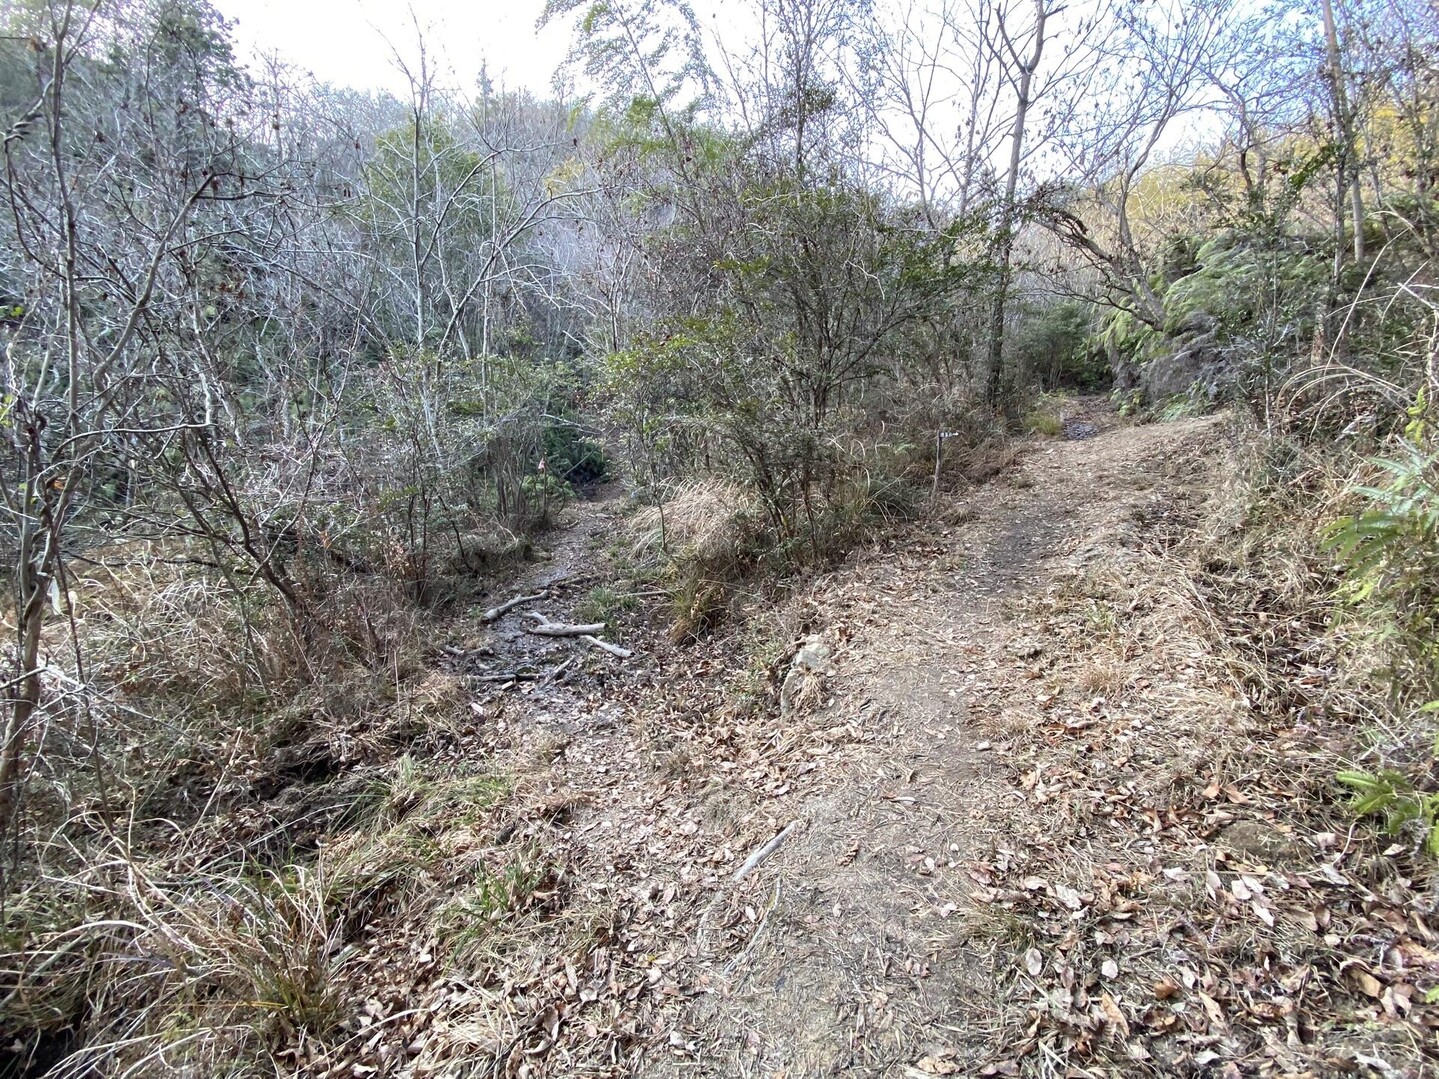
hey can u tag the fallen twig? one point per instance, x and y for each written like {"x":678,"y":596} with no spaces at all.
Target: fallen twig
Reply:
{"x":509,"y":605}
{"x":612,"y":649}
{"x":764,"y":852}
{"x":545,"y":628}
{"x":743,"y":956}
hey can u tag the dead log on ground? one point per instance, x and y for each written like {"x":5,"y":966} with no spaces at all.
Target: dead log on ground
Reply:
{"x":545,"y":628}
{"x":764,"y":852}
{"x":509,"y":605}
{"x":612,"y":649}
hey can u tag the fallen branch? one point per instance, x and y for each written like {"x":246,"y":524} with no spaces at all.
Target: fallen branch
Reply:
{"x":546,"y":628}
{"x":612,"y":649}
{"x":764,"y":852}
{"x":743,"y":956}
{"x":504,"y":608}
{"x":556,"y":673}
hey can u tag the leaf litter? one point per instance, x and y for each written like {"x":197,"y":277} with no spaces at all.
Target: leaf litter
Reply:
{"x":1037,"y":825}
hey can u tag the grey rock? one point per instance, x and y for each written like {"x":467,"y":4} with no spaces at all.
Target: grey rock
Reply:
{"x":814,"y":655}
{"x":1026,"y":648}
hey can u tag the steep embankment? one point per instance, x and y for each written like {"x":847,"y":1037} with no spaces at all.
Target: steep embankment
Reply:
{"x":1034,"y":825}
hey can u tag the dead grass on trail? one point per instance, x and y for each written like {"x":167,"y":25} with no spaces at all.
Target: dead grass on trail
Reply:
{"x":1197,"y":901}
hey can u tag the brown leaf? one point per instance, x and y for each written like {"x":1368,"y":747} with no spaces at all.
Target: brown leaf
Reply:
{"x":1068,"y":896}
{"x":1112,"y":1013}
{"x":940,"y":1062}
{"x":1365,"y":982}
{"x":1215,"y":1012}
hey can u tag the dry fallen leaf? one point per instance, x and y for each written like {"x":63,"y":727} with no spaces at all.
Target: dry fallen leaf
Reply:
{"x":1068,"y":896}
{"x":938,"y":1062}
{"x":1112,"y":1013}
{"x":1365,"y":982}
{"x":1034,"y":962}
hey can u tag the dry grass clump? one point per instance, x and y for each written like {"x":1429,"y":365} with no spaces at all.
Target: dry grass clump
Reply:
{"x":699,"y":543}
{"x":1269,"y":587}
{"x":157,"y":627}
{"x":162,"y":966}
{"x":119,"y":961}
{"x":709,"y":520}
{"x":1044,"y":421}
{"x":213,"y":813}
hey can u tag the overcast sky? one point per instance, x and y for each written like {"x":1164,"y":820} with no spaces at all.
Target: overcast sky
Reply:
{"x":344,"y":41}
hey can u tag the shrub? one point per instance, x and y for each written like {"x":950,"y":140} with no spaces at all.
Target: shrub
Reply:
{"x":1391,"y":796}
{"x":1044,"y":421}
{"x":1390,"y":554}
{"x":571,"y":456}
{"x":1055,"y":346}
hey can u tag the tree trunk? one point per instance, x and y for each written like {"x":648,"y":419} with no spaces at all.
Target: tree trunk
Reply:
{"x":1005,"y":255}
{"x":23,"y":706}
{"x":1344,"y":120}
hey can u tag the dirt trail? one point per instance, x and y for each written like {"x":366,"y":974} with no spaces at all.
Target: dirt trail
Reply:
{"x":861,"y":958}
{"x":1029,"y":831}
{"x":842,"y":954}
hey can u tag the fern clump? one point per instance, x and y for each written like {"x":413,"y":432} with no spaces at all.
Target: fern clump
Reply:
{"x":1390,"y":556}
{"x":1390,"y":795}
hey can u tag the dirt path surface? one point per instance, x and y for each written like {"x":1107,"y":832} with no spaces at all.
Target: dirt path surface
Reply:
{"x":1024,"y":831}
{"x":864,"y":960}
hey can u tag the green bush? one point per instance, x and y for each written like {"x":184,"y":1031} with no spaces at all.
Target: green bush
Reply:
{"x":1391,"y":795}
{"x":1389,"y":551}
{"x":1055,"y":345}
{"x":571,"y":456}
{"x":1390,"y":556}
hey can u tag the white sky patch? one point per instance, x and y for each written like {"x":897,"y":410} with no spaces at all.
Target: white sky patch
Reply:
{"x":352,"y":42}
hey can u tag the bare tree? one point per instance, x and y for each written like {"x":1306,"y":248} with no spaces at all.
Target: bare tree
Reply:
{"x":1021,"y":53}
{"x":1157,"y":60}
{"x":97,"y":241}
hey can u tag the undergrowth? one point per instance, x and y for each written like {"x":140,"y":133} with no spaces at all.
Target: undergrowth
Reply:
{"x":1389,"y":550}
{"x":716,"y":546}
